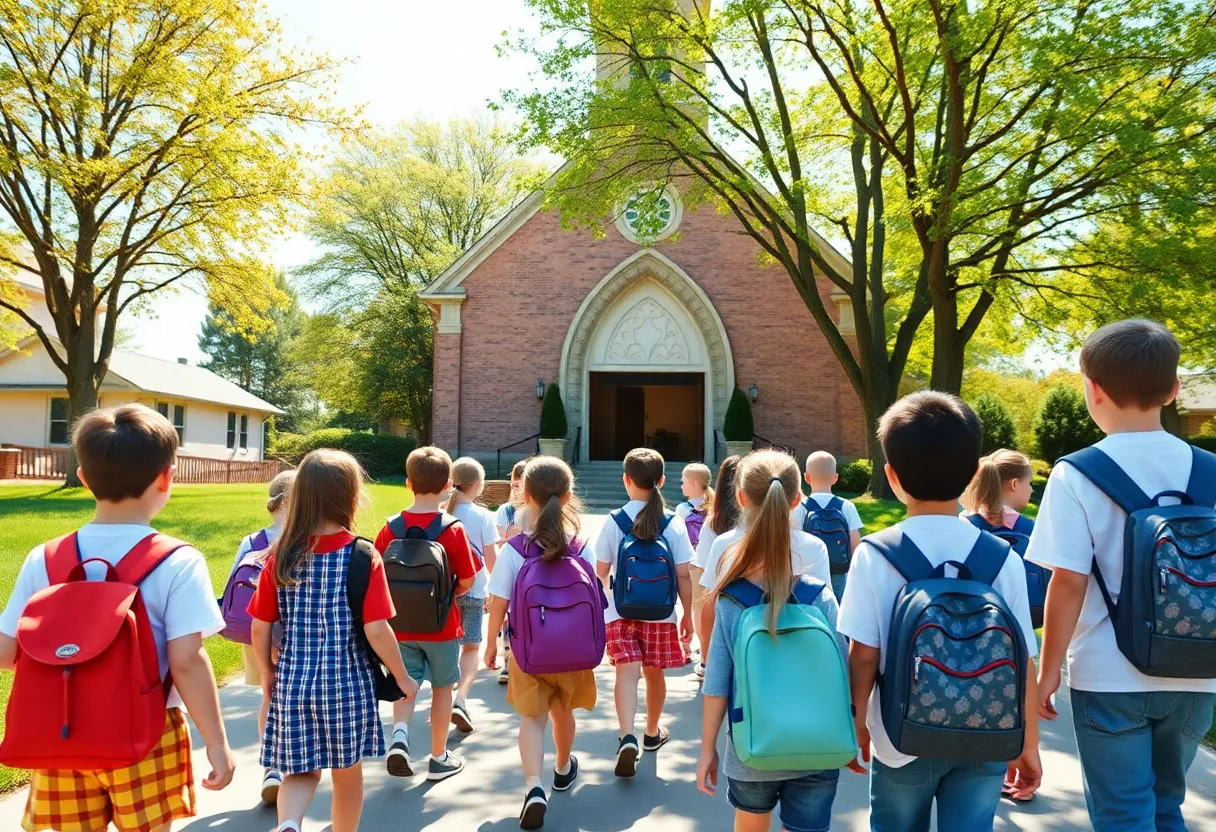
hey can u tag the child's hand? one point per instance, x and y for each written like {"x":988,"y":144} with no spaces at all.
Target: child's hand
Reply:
{"x":222,"y":768}
{"x":863,"y":743}
{"x":707,"y":772}
{"x":686,"y":629}
{"x":408,"y":686}
{"x":1024,"y":775}
{"x":485,"y":605}
{"x":491,"y":656}
{"x":1049,"y":683}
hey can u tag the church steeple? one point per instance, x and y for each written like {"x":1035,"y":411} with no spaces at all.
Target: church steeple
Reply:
{"x":613,"y":66}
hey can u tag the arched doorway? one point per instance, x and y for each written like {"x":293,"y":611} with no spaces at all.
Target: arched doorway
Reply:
{"x":647,"y":360}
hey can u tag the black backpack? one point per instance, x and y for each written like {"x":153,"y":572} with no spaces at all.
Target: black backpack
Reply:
{"x":419,"y":574}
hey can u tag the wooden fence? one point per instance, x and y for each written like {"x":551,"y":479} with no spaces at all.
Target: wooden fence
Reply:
{"x":52,"y":464}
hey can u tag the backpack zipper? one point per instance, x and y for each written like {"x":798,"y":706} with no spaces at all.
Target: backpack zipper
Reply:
{"x":1169,"y":569}
{"x":961,"y":674}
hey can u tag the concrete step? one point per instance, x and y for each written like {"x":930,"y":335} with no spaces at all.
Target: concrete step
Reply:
{"x":598,"y":484}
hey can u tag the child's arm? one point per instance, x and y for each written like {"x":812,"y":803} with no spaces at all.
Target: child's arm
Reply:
{"x":195,"y":681}
{"x":260,"y":637}
{"x":380,"y":637}
{"x":863,"y":674}
{"x":1026,"y":772}
{"x":711,"y":723}
{"x":604,"y":571}
{"x":490,"y":555}
{"x":684,"y":578}
{"x":498,"y":613}
{"x":1065,"y":595}
{"x":8,"y":652}
{"x":719,"y":676}
{"x":708,"y":618}
{"x":854,"y":540}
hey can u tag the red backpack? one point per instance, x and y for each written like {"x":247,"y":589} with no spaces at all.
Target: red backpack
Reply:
{"x":87,"y":692}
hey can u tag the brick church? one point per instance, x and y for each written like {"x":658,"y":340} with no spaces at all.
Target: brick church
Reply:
{"x":646,"y":338}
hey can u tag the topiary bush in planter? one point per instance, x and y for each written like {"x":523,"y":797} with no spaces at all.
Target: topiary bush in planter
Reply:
{"x":738,"y":425}
{"x":553,"y":423}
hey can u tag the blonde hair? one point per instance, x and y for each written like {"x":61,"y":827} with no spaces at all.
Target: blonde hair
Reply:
{"x":279,"y":488}
{"x":985,"y":493}
{"x":821,"y":464}
{"x":466,"y":473}
{"x":702,"y":474}
{"x":547,"y":480}
{"x":328,"y":488}
{"x":770,"y":479}
{"x":645,"y":468}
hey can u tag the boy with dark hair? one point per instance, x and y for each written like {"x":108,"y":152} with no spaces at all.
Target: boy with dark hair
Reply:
{"x":430,"y":655}
{"x":932,"y":445}
{"x":126,"y":460}
{"x":1137,"y":734}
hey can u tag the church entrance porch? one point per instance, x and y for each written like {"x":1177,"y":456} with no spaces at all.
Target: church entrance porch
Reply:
{"x":663,"y":411}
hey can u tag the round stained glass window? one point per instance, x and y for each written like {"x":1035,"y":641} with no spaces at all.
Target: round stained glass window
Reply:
{"x":648,"y":217}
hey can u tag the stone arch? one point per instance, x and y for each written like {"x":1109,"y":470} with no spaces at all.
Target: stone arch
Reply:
{"x":648,"y":265}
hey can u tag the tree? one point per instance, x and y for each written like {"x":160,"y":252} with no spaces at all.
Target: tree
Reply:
{"x":394,"y":352}
{"x":1063,"y":424}
{"x":259,"y":361}
{"x":144,"y":145}
{"x":999,"y":431}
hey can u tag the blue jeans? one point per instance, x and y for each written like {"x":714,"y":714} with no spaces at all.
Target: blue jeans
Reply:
{"x":967,"y":793}
{"x":806,"y":802}
{"x":1135,"y":749}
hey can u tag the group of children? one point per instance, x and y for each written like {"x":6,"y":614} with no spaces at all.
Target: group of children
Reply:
{"x":923,"y":664}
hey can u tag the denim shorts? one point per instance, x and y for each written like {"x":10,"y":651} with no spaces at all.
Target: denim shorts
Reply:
{"x":471,"y":612}
{"x":806,"y":802}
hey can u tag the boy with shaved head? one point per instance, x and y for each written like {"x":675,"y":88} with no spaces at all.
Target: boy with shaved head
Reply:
{"x":832,"y":519}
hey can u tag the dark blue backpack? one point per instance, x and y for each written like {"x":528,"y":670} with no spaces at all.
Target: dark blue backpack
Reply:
{"x":1037,"y":577}
{"x":830,"y":525}
{"x":645,"y":587}
{"x":1165,"y":616}
{"x":954,"y":675}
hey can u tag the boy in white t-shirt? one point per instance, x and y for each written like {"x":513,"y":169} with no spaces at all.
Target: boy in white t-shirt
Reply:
{"x":126,"y":460}
{"x":821,"y":476}
{"x":1137,"y":735}
{"x":932,"y":445}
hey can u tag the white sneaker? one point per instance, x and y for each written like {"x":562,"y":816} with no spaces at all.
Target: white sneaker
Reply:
{"x":270,"y":787}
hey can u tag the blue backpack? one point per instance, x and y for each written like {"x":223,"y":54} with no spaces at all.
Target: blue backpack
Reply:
{"x":954,"y":676}
{"x":645,"y":587}
{"x":830,"y":525}
{"x":1165,"y":616}
{"x":1037,"y":577}
{"x":801,"y":665}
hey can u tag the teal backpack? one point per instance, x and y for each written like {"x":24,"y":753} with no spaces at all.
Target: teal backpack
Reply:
{"x":801,"y":665}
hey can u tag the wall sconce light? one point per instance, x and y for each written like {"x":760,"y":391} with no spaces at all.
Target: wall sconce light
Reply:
{"x":754,"y":393}
{"x":540,"y":388}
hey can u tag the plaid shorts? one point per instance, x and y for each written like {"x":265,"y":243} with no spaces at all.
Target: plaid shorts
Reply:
{"x":155,"y":791}
{"x":653,"y":643}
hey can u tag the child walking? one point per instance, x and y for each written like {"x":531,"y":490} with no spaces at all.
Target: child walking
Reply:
{"x":550,"y":562}
{"x":643,"y":533}
{"x":468,"y":481}
{"x":723,"y":516}
{"x":510,"y":520}
{"x":764,"y":558}
{"x":323,"y":705}
{"x":832,"y":519}
{"x":694,"y":511}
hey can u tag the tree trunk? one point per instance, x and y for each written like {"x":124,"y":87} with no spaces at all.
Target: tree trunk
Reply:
{"x":948,"y":361}
{"x":82,"y":397}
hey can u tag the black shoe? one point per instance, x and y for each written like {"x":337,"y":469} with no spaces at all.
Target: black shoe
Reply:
{"x":398,"y":762}
{"x":627,"y":756}
{"x":656,"y":742}
{"x":533,"y":814}
{"x":561,"y":782}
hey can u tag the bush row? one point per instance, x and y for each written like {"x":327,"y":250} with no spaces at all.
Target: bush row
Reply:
{"x":381,"y":454}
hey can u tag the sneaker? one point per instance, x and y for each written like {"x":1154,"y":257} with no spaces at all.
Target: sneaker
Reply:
{"x":446,"y":767}
{"x":627,"y":756}
{"x":656,"y":742}
{"x":502,"y":675}
{"x":270,"y":787}
{"x":533,"y":814}
{"x":398,"y":762}
{"x":562,"y":782}
{"x":461,"y":718}
{"x":699,"y":671}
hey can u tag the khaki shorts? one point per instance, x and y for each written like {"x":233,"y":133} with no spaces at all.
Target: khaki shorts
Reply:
{"x":534,"y":695}
{"x":698,"y":591}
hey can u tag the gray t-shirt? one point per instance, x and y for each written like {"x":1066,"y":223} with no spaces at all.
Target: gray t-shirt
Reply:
{"x":720,"y":674}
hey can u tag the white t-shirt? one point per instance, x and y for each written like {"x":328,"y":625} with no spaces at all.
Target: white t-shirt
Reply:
{"x":479,"y":526}
{"x":1078,"y":524}
{"x":178,"y":594}
{"x":506,"y":569}
{"x":705,"y":544}
{"x":822,"y":498}
{"x":609,"y":541}
{"x":684,"y":509}
{"x":865,"y":611}
{"x":808,"y":555}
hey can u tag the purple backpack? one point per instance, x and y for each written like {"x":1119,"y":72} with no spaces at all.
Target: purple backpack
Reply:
{"x":242,"y":583}
{"x":557,"y":611}
{"x":693,"y":523}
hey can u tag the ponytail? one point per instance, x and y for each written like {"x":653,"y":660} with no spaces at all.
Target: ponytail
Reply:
{"x":724,"y":515}
{"x":985,"y":494}
{"x":466,"y":473}
{"x":547,"y":482}
{"x":644,"y":468}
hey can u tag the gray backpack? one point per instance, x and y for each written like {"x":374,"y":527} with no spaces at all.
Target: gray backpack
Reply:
{"x":419,"y":574}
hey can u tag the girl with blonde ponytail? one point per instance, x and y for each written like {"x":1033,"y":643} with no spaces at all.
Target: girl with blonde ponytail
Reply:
{"x":1000,"y":489}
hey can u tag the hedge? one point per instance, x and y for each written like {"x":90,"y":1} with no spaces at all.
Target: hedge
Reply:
{"x":738,"y":426}
{"x":1063,"y":424}
{"x":855,"y":476}
{"x":996,"y":423}
{"x":381,"y":454}
{"x":553,"y":423}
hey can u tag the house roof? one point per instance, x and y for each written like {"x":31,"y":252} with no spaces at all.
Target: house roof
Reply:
{"x":1198,"y":392}
{"x":186,"y":381}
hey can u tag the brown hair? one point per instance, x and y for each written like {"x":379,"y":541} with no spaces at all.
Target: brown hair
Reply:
{"x":328,"y":488}
{"x":122,"y":450}
{"x":466,"y":472}
{"x":700,"y":471}
{"x":984,"y":495}
{"x":279,"y":488}
{"x":932,"y":440}
{"x":429,"y":469}
{"x":645,"y":468}
{"x":547,"y":480}
{"x":725,"y":513}
{"x":770,"y":479}
{"x":1134,"y":361}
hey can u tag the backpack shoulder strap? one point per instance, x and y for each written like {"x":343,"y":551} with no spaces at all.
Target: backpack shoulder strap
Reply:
{"x":398,"y":526}
{"x":987,"y":558}
{"x":743,"y":592}
{"x":136,"y":565}
{"x":61,"y":555}
{"x":835,"y":504}
{"x":359,"y":578}
{"x":807,"y":591}
{"x":1202,"y":485}
{"x":442,"y":522}
{"x":901,"y":553}
{"x":621,"y":518}
{"x":1025,"y":526}
{"x":1112,"y":480}
{"x":259,"y":541}
{"x":520,"y":544}
{"x":979,"y":521}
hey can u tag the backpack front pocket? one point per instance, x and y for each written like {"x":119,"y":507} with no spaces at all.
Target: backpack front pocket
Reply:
{"x":982,"y":699}
{"x":1185,"y":605}
{"x":550,"y":646}
{"x":648,"y":582}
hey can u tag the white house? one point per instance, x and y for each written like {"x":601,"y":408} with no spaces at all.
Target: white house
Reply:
{"x":214,"y":418}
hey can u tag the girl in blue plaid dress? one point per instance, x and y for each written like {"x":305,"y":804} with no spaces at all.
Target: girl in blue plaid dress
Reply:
{"x":323,"y":708}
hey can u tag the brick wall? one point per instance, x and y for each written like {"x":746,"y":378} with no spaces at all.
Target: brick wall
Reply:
{"x":522,"y":298}
{"x":1192,"y":423}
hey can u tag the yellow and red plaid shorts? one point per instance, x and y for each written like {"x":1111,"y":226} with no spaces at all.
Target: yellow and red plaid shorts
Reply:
{"x":154,"y":792}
